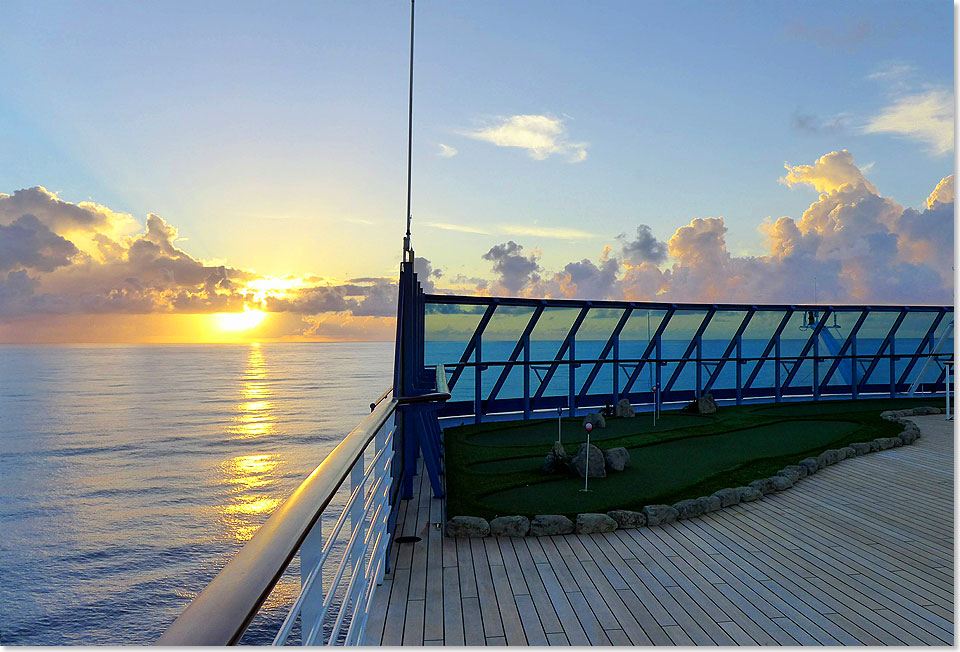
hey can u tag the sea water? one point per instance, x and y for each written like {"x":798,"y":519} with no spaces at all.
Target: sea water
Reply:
{"x":130,"y":475}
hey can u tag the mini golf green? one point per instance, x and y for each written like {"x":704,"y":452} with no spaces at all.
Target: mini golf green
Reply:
{"x":494,"y":468}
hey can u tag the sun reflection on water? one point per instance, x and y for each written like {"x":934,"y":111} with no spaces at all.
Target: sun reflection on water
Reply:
{"x":252,"y":479}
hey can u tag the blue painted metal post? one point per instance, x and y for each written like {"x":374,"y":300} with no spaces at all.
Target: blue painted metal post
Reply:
{"x":739,"y":368}
{"x":816,"y":366}
{"x":526,"y":375}
{"x":699,"y":362}
{"x":616,"y":369}
{"x":893,"y":367}
{"x":853,"y":367}
{"x":572,"y":382}
{"x":477,"y":380}
{"x":656,"y":395}
{"x":776,"y":358}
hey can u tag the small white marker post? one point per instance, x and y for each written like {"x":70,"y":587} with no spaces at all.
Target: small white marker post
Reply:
{"x":559,"y":423}
{"x":655,"y":403}
{"x":586,"y":475}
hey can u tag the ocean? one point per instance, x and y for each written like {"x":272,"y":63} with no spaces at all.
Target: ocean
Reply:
{"x":132,"y":474}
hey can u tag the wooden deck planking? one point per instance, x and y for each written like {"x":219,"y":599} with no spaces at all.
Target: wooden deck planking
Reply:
{"x":861,"y":553}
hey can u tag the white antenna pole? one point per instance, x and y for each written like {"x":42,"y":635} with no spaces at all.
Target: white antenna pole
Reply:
{"x":406,"y":238}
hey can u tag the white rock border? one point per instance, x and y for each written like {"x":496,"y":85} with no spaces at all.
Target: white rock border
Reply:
{"x":653,"y":515}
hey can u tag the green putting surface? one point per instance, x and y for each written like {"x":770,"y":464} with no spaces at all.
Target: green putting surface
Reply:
{"x":494,"y":468}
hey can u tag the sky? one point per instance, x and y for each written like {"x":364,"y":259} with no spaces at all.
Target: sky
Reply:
{"x":162,"y":164}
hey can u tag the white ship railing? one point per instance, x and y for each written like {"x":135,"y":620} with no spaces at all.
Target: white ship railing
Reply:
{"x":337,"y":580}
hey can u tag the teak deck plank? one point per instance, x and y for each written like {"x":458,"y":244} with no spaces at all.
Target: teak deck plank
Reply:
{"x":859,"y":554}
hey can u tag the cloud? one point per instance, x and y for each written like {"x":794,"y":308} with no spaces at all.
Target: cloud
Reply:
{"x":559,"y":233}
{"x":515,"y":271}
{"x":644,"y":248}
{"x":828,"y":173}
{"x":926,"y":117}
{"x":860,"y":246}
{"x":541,"y":135}
{"x":832,"y":37}
{"x":446,"y":151}
{"x":444,"y":226}
{"x":29,"y":243}
{"x":815,"y":126}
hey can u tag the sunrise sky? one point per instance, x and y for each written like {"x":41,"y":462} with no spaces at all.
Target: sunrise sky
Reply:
{"x":162,"y":164}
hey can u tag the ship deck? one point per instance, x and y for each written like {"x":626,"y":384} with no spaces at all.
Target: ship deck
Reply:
{"x":860,"y":553}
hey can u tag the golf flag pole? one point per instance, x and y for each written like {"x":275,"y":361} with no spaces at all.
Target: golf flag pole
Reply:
{"x":586,"y":474}
{"x":559,"y":423}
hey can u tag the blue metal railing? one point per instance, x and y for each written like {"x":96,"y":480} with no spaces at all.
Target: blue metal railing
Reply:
{"x":499,"y":366}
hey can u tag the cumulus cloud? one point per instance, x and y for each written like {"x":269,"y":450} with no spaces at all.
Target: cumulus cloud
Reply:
{"x":541,"y":135}
{"x":828,"y":173}
{"x":861,"y":247}
{"x":644,"y":248}
{"x":515,"y":270}
{"x":31,"y":244}
{"x":814,"y":125}
{"x":926,"y":117}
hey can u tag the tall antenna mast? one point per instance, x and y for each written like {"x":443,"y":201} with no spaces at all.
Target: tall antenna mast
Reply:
{"x":406,"y":238}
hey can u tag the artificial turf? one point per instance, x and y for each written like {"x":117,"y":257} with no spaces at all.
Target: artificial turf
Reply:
{"x":493,"y":469}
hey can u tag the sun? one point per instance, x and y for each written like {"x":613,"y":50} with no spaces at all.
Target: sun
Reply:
{"x":239,"y":321}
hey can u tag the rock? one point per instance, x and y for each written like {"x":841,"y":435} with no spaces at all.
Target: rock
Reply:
{"x":596,"y":468}
{"x":544,"y":525}
{"x":828,"y":457}
{"x":810,"y":464}
{"x":802,"y":470}
{"x":793,"y":471}
{"x":616,"y":459}
{"x":925,"y":410}
{"x":764,"y":486}
{"x":557,"y":460}
{"x":688,"y":508}
{"x":709,"y":503}
{"x":727,"y":497}
{"x":749,"y":494}
{"x":624,"y":409}
{"x":861,"y":447}
{"x":884,"y":442}
{"x":907,"y":437}
{"x":846,"y":453}
{"x":596,"y":419}
{"x":467,"y":526}
{"x":659,"y":514}
{"x":592,"y":523}
{"x":706,"y":404}
{"x":510,"y":526}
{"x":781,"y":482}
{"x":628,"y":519}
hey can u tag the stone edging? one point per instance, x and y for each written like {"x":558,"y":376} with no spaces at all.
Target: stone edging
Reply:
{"x":550,"y":524}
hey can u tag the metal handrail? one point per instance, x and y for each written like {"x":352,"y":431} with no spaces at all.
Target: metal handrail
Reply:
{"x":222,"y":612}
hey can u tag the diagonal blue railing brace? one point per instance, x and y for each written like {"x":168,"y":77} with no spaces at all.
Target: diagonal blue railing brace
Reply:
{"x":926,"y":338}
{"x":847,"y":343}
{"x":725,"y":358}
{"x":765,"y":355}
{"x":883,"y":346}
{"x":801,"y":357}
{"x":690,"y":347}
{"x":472,"y":344}
{"x":604,"y":353}
{"x":560,"y":353}
{"x":652,"y":346}
{"x":517,"y":350}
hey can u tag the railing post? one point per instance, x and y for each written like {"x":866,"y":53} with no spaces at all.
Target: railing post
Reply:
{"x":816,"y":367}
{"x":854,"y":381}
{"x":572,"y":379}
{"x":699,"y":362}
{"x":776,"y":358}
{"x":526,"y":375}
{"x":477,"y":402}
{"x":658,"y":373}
{"x":357,"y":516}
{"x":893,"y":367}
{"x":739,"y":368}
{"x":616,"y":369}
{"x":309,"y":557}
